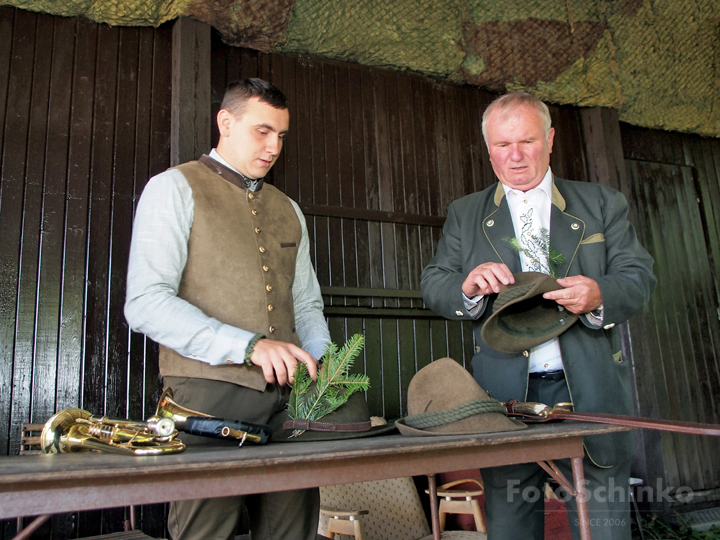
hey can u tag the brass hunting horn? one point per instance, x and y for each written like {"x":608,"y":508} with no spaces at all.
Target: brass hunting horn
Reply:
{"x":205,"y":425}
{"x":76,"y":430}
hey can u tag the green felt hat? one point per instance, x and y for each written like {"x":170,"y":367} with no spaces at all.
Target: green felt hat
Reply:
{"x":522,"y":318}
{"x":349,"y":421}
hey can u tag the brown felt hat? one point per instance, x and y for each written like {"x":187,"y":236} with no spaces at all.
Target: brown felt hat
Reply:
{"x":522,"y":318}
{"x":444,"y":399}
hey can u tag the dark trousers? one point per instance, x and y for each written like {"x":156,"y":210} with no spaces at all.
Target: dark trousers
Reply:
{"x":514,"y":495}
{"x":273,"y":516}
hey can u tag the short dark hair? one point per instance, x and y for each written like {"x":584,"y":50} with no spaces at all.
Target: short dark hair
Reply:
{"x":239,"y":92}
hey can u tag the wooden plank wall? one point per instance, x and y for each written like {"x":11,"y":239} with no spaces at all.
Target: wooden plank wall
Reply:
{"x":84,"y":121}
{"x":374,"y":158}
{"x":674,"y":181}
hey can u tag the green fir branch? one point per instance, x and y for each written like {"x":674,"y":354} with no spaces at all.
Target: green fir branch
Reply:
{"x":334,"y":383}
{"x":540,"y":252}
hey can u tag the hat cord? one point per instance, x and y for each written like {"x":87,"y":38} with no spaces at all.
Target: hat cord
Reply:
{"x":460,"y":412}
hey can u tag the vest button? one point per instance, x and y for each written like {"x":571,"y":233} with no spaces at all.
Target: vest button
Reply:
{"x":266,"y":268}
{"x":254,"y":212}
{"x":257,"y":230}
{"x":268,"y":288}
{"x":270,"y":307}
{"x":251,"y":196}
{"x":272,"y":329}
{"x":262,"y":249}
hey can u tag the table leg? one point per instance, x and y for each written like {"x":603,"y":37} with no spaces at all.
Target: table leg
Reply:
{"x":432,"y":488}
{"x":581,"y":498}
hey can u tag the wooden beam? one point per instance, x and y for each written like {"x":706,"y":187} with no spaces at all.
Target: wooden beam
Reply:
{"x":603,"y":148}
{"x":191,"y":90}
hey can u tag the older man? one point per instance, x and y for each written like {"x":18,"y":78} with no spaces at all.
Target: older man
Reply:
{"x":220,"y":275}
{"x":606,"y":278}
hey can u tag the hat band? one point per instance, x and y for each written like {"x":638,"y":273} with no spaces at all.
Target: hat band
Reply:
{"x":308,"y":425}
{"x":460,"y":412}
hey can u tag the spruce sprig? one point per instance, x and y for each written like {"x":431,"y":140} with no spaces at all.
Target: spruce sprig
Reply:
{"x":334,"y":383}
{"x":543,"y":258}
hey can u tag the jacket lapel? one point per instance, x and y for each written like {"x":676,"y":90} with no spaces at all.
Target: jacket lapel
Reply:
{"x":566,"y":232}
{"x":497,"y":227}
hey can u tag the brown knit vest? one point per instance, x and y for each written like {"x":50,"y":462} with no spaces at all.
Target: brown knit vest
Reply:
{"x":240,"y":268}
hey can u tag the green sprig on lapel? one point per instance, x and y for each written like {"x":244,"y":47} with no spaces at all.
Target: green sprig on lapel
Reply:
{"x":334,"y":383}
{"x":542,"y":256}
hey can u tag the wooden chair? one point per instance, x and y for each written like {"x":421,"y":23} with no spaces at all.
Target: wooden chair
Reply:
{"x":30,"y":444}
{"x":387,"y":509}
{"x":461,"y":501}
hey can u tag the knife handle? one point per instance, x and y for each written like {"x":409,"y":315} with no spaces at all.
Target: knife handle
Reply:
{"x":222,"y":428}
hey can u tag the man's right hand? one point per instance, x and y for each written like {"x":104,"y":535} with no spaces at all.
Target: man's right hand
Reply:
{"x":486,"y":279}
{"x":278,"y":360}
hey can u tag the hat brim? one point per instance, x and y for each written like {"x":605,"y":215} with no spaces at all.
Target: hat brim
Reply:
{"x":285,"y":434}
{"x":527,"y":320}
{"x":479,"y":423}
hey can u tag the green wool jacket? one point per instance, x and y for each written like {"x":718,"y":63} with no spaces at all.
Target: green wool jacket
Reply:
{"x":589,"y":226}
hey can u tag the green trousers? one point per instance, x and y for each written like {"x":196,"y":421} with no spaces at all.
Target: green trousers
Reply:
{"x":514,"y":495}
{"x":273,"y":516}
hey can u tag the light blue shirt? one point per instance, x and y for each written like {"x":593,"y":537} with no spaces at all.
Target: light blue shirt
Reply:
{"x":158,"y":254}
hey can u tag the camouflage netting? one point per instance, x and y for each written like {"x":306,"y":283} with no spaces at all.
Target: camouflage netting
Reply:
{"x":656,"y":61}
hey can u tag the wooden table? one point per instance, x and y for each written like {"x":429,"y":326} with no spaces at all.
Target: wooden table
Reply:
{"x":33,"y":485}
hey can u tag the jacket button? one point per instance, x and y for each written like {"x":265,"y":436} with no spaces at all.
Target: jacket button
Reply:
{"x":262,"y":249}
{"x":268,"y":288}
{"x":526,"y":354}
{"x":459,"y":313}
{"x":490,"y":222}
{"x":266,"y":268}
{"x":608,"y":326}
{"x":575,"y":226}
{"x":477,"y":348}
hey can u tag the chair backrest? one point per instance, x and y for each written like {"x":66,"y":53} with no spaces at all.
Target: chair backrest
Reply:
{"x":30,"y":438}
{"x":395,"y":508}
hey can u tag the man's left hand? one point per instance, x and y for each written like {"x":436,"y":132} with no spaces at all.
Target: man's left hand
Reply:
{"x":580,"y":295}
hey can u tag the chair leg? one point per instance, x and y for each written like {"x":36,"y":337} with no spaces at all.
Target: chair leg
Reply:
{"x":442,"y":515}
{"x":477,"y":514}
{"x":359,"y":531}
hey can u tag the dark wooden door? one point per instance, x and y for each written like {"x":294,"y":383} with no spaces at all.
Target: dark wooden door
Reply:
{"x":677,"y":340}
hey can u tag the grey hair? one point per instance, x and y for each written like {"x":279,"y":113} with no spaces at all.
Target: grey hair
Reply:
{"x":509,"y":102}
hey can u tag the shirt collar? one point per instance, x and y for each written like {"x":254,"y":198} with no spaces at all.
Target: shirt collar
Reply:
{"x":546,"y":185}
{"x":251,"y":184}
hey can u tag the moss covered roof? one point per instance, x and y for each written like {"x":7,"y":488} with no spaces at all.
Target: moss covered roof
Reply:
{"x":656,"y":61}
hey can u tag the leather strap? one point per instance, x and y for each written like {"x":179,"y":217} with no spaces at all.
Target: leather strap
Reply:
{"x":308,"y":425}
{"x":538,"y":412}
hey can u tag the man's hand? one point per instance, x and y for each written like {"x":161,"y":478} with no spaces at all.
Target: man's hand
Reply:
{"x":580,"y":295}
{"x":486,"y":279}
{"x":279,"y":359}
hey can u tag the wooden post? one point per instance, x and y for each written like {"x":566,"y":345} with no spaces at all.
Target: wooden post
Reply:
{"x":191,"y":90}
{"x":603,"y":148}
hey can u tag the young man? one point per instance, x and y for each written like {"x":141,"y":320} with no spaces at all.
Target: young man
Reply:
{"x":607,"y":277}
{"x":220,"y":276}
